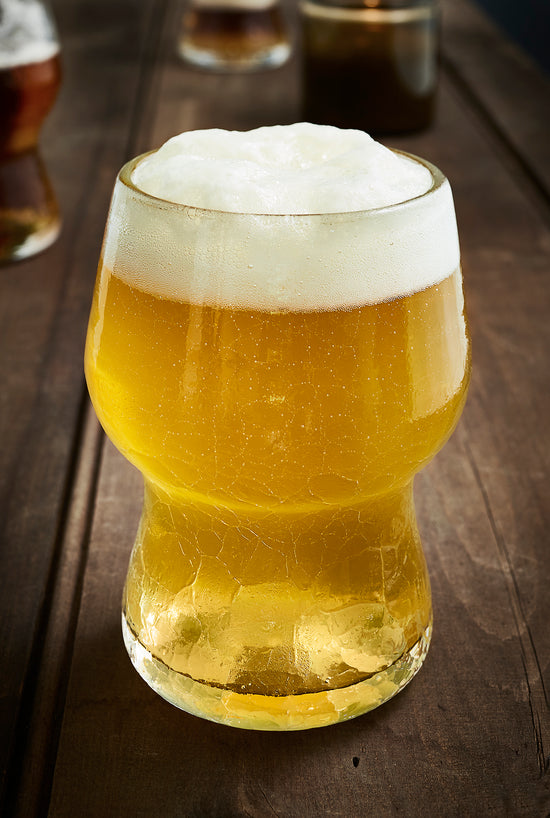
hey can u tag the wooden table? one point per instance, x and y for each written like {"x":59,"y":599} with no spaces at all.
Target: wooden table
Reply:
{"x":81,"y":734}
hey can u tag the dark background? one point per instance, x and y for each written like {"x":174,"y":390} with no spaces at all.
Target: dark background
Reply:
{"x":527,"y":22}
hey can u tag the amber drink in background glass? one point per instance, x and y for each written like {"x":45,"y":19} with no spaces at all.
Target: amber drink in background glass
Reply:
{"x":371,"y":65}
{"x":30,"y":76}
{"x":234,"y":35}
{"x":278,"y":342}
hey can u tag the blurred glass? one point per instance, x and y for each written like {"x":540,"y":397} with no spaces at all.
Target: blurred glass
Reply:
{"x":229,"y":35}
{"x":370,"y":65}
{"x":30,"y":75}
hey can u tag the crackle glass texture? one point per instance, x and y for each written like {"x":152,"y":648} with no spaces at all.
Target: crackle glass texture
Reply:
{"x":277,"y":580}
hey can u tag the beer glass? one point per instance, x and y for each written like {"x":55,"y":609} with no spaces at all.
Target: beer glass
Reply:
{"x":30,"y":76}
{"x":278,"y":581}
{"x":234,"y":35}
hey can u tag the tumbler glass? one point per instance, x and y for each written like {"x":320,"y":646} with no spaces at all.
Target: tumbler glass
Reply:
{"x":370,"y":65}
{"x":277,"y":581}
{"x":234,"y":35}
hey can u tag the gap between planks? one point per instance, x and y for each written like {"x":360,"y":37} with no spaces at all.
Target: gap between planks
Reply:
{"x":46,"y":683}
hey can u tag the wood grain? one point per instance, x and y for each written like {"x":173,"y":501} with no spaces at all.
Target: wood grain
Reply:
{"x":44,"y":304}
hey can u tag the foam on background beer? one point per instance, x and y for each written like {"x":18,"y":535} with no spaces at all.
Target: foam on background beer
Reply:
{"x":28,"y":54}
{"x":332,"y":259}
{"x":26,"y":34}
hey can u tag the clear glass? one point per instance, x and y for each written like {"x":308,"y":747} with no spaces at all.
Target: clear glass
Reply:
{"x":277,"y":581}
{"x":30,"y":75}
{"x":234,"y":35}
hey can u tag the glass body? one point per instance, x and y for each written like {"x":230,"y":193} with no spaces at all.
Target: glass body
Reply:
{"x":372,"y":68}
{"x":277,"y":580}
{"x":234,"y":35}
{"x":30,"y":76}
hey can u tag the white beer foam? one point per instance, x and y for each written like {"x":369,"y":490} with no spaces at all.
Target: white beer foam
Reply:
{"x":202,"y":240}
{"x":292,"y":169}
{"x":27,"y":33}
{"x":29,"y":54}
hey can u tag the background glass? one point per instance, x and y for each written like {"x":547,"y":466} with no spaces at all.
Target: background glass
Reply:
{"x":234,"y":35}
{"x":30,"y":75}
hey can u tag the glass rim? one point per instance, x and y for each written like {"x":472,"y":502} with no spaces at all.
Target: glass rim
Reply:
{"x":124,"y":176}
{"x":386,"y":11}
{"x":383,"y":5}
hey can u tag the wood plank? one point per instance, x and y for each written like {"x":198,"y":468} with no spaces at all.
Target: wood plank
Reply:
{"x":504,"y":82}
{"x":506,"y":258}
{"x":44,"y":306}
{"x":470,"y":735}
{"x":42,"y":724}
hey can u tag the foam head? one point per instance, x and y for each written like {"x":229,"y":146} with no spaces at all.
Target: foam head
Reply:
{"x":298,"y":217}
{"x":296,"y":169}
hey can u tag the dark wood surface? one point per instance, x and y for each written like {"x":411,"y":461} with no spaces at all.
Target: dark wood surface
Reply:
{"x":80,"y":733}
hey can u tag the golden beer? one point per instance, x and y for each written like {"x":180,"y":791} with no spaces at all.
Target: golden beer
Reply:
{"x":277,"y":580}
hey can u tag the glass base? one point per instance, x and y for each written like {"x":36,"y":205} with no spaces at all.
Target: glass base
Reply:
{"x":29,"y":214}
{"x":215,"y":61}
{"x":256,"y":712}
{"x":33,"y":244}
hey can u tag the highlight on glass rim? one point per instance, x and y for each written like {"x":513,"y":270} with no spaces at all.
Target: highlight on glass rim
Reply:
{"x":278,"y":342}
